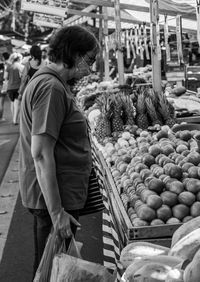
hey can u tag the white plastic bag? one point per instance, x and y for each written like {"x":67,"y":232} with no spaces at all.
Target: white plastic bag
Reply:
{"x":70,"y":269}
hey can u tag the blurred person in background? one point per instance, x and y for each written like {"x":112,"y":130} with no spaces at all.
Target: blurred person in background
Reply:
{"x":3,"y":83}
{"x":13,"y":76}
{"x":2,"y":97}
{"x":32,"y":65}
{"x":45,"y":59}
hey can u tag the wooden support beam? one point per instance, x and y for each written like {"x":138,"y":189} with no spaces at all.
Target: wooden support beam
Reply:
{"x":96,"y":16}
{"x":106,"y":49}
{"x":83,"y":13}
{"x":120,"y":60}
{"x":134,"y":8}
{"x":156,"y":61}
{"x":101,"y":63}
{"x":76,"y":17}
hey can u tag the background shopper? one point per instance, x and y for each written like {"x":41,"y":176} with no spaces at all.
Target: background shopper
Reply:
{"x":13,"y":76}
{"x":3,"y":83}
{"x":32,"y":65}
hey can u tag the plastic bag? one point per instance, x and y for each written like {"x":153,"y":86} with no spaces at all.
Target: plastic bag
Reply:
{"x":53,"y":246}
{"x":74,"y":248}
{"x":70,"y":269}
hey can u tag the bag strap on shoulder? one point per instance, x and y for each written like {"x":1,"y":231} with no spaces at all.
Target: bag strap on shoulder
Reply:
{"x":53,"y":73}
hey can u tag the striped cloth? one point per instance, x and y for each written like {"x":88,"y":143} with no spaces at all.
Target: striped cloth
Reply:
{"x":111,"y":243}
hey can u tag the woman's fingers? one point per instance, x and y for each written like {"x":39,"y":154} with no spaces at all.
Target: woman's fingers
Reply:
{"x":65,"y":233}
{"x":74,"y":221}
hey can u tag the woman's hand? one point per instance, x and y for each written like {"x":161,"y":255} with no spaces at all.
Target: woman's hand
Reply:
{"x":19,"y":97}
{"x":64,"y":224}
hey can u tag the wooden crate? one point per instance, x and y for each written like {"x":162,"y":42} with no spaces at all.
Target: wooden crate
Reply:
{"x":161,"y":234}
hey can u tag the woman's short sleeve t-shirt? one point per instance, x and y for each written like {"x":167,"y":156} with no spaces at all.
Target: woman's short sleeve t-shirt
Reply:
{"x":47,"y":109}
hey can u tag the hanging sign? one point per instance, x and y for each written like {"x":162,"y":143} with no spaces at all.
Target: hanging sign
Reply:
{"x":47,"y":20}
{"x":198,"y":21}
{"x":166,"y":34}
{"x":179,"y":38}
{"x":52,"y":7}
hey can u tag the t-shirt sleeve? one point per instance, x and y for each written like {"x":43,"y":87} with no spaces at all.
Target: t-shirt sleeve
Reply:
{"x":49,"y":109}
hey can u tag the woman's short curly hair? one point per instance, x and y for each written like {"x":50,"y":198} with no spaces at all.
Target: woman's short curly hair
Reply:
{"x":70,"y":41}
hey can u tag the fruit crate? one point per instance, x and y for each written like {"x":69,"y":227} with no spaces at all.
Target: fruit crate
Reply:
{"x":160,"y":234}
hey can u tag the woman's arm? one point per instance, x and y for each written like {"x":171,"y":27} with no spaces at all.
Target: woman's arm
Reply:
{"x":42,"y":150}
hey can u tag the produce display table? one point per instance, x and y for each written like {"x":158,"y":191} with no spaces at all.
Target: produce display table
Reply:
{"x":126,"y":231}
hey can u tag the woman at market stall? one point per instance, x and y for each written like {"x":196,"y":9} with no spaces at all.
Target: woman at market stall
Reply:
{"x":55,"y":153}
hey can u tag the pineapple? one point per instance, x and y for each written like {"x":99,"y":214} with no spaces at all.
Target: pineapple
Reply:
{"x":154,"y":97}
{"x":103,"y":126}
{"x":116,"y":116}
{"x":129,"y":110}
{"x":152,"y":111}
{"x":141,"y":118}
{"x":171,"y":110}
{"x":166,"y":110}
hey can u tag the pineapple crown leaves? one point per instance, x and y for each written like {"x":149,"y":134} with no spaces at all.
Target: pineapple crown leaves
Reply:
{"x":116,"y":101}
{"x":104,"y":103}
{"x":151,"y":109}
{"x":141,"y":106}
{"x":163,"y":106}
{"x":128,"y":104}
{"x":150,"y":106}
{"x":153,"y":95}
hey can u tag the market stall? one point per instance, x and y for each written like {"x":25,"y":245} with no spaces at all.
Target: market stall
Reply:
{"x":148,"y":169}
{"x":149,"y":176}
{"x":121,"y":219}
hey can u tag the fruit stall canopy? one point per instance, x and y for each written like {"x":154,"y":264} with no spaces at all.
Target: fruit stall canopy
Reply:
{"x":140,"y":12}
{"x":186,"y":8}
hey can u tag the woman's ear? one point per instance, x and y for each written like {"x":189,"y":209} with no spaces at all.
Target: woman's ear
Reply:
{"x":77,"y":60}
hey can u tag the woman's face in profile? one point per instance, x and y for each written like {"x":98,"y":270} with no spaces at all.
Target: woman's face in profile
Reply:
{"x":85,"y":63}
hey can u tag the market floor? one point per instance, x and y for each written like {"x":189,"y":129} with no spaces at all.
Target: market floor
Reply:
{"x":17,"y":257}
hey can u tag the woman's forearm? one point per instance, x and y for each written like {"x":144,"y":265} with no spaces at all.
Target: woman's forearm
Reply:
{"x":45,"y":171}
{"x":43,"y":155}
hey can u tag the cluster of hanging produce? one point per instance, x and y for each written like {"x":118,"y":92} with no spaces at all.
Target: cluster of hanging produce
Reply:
{"x":135,"y":40}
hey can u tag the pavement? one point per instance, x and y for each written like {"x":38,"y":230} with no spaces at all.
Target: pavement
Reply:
{"x":16,"y":238}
